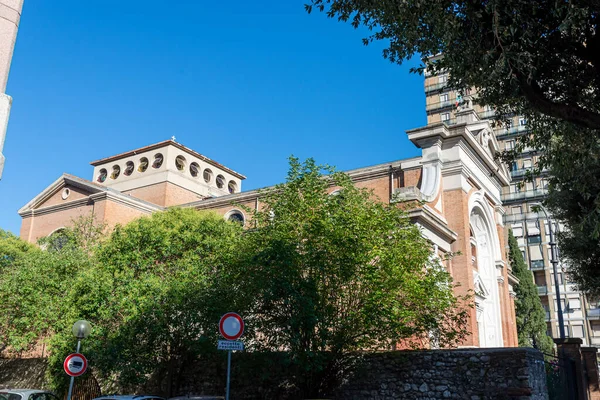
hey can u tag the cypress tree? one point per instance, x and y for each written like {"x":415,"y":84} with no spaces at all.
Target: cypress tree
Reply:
{"x":531,"y":317}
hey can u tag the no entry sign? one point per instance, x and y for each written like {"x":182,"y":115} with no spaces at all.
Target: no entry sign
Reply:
{"x":231,"y":326}
{"x":75,"y":364}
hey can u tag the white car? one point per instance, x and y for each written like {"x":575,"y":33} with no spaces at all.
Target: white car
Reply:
{"x":26,"y":394}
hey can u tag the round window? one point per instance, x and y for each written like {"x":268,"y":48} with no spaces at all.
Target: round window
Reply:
{"x":143,"y":164}
{"x":102,"y":175}
{"x":158,"y":161}
{"x":65,"y":193}
{"x":232,"y":187}
{"x":129,"y":168}
{"x":194,"y":169}
{"x":236,"y":216}
{"x":180,"y":163}
{"x":220,"y":181}
{"x":116,"y":171}
{"x":207,"y":174}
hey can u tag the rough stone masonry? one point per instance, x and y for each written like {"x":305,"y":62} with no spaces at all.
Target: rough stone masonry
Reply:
{"x":473,"y":374}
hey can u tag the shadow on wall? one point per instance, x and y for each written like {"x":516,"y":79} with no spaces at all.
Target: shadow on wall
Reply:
{"x":23,"y":373}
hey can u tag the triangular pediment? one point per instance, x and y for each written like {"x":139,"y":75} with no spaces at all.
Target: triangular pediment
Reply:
{"x":66,"y":189}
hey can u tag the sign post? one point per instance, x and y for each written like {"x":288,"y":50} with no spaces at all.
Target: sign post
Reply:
{"x":75,"y":365}
{"x":231,"y":327}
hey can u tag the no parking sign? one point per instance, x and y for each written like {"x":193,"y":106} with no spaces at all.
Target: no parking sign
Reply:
{"x":231,"y":327}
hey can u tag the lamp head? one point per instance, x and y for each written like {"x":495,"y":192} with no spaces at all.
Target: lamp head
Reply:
{"x":81,"y":329}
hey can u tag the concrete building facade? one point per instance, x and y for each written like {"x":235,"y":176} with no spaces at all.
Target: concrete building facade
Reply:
{"x":10,"y":16}
{"x":453,"y":191}
{"x":530,"y":227}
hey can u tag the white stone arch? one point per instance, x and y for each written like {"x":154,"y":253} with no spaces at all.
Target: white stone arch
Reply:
{"x":56,"y":230}
{"x":487,"y":299}
{"x":233,"y":212}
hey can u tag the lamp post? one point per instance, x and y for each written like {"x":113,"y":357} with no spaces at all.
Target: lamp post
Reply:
{"x":81,"y":329}
{"x":554,"y":261}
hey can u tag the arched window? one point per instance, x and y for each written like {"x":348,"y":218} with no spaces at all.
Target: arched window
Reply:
{"x":180,"y":163}
{"x":236,"y":216}
{"x":158,"y":161}
{"x":220,"y":181}
{"x":102,"y":175}
{"x":143,"y":164}
{"x":56,"y":240}
{"x":129,"y":168}
{"x":194,"y":169}
{"x":232,"y":187}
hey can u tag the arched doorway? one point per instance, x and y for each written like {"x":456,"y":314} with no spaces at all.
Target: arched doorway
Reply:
{"x":487,"y":298}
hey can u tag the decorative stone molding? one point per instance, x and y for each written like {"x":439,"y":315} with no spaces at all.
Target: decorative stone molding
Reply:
{"x":407,"y":193}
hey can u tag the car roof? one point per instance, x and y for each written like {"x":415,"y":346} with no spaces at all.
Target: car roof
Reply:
{"x":23,"y":392}
{"x":128,"y":396}
{"x":197,"y":397}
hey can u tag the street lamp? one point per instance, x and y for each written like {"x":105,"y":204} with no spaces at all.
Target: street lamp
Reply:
{"x":554,"y":261}
{"x":81,"y":329}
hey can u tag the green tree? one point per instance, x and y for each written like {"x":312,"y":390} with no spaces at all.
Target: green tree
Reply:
{"x":33,"y":284}
{"x":152,"y":298}
{"x":334,"y":274}
{"x":12,"y":249}
{"x":536,"y":58}
{"x":531,"y":317}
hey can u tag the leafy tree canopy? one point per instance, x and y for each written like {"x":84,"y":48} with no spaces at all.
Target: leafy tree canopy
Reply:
{"x":33,"y":284}
{"x":339,"y":273}
{"x":12,"y":249}
{"x":152,"y":297}
{"x":536,"y":58}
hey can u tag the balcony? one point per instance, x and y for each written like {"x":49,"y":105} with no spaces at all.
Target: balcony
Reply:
{"x":537,"y":265}
{"x":451,"y":121}
{"x":435,"y":86}
{"x":439,"y":105}
{"x":593,"y":313}
{"x":487,"y":114}
{"x":530,"y":216}
{"x":542,"y":290}
{"x":517,"y":173}
{"x":527,"y":194}
{"x":503,"y":133}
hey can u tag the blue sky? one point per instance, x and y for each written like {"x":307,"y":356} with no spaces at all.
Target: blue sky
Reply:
{"x":244,"y":83}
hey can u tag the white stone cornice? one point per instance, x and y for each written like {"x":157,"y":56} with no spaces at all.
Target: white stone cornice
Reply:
{"x":433,"y":227}
{"x":54,"y":208}
{"x":125,"y":200}
{"x":513,"y":280}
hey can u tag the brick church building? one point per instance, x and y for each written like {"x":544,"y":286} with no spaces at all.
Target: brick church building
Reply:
{"x":456,"y":179}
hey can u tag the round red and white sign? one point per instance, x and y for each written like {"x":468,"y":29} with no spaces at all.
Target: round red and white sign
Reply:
{"x":75,"y":364}
{"x":231,"y":326}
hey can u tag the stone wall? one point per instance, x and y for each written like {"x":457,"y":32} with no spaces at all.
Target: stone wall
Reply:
{"x":474,"y":374}
{"x":23,"y":373}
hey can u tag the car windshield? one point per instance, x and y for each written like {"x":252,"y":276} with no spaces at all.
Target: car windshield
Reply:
{"x":42,"y":396}
{"x":10,"y":396}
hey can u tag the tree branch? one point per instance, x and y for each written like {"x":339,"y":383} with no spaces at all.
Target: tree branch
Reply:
{"x":573,"y":114}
